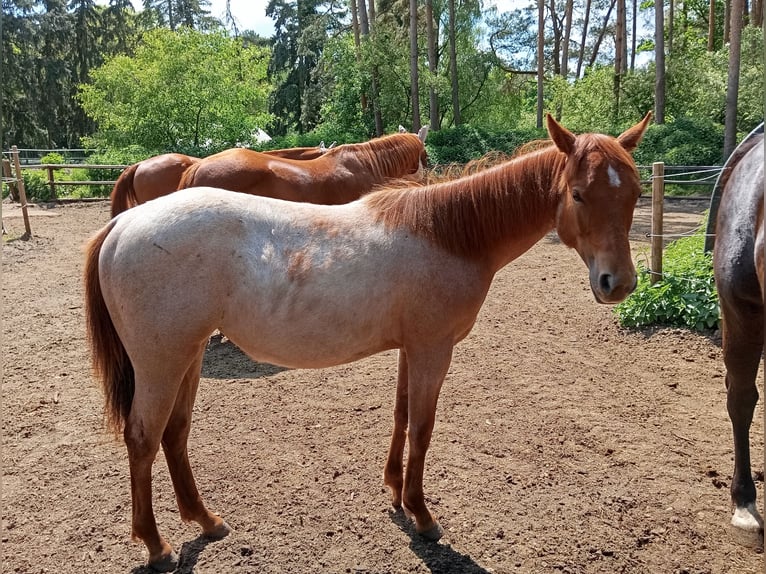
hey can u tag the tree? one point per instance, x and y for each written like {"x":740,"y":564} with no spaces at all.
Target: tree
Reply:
{"x":301,"y":30}
{"x":182,"y":91}
{"x":732,"y":83}
{"x":414,"y":77}
{"x":659,"y":62}
{"x":432,"y":34}
{"x":453,"y":63}
{"x":177,"y":13}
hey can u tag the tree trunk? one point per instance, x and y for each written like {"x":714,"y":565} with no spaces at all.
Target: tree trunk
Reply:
{"x":633,"y":33}
{"x":711,"y":27}
{"x":601,"y":34}
{"x":364,"y":24}
{"x":732,"y":84}
{"x":619,"y":57}
{"x":659,"y":60}
{"x":540,"y":56}
{"x":567,"y":33}
{"x":414,"y":80}
{"x":433,"y":67}
{"x":726,"y":21}
{"x":453,"y":64}
{"x":671,"y":24}
{"x":581,"y":55}
{"x":556,"y":28}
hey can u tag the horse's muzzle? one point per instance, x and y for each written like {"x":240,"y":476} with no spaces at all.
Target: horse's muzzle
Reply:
{"x":609,"y":288}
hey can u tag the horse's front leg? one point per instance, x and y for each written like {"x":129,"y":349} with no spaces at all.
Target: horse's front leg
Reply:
{"x":427,"y":368}
{"x":393,"y":475}
{"x":174,"y":443}
{"x":742,"y":354}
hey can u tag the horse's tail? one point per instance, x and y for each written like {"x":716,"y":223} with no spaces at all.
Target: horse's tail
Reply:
{"x":123,"y":195}
{"x":109,"y":359}
{"x":187,"y":178}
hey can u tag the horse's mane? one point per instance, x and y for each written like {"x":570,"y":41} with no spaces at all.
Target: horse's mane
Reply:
{"x":386,"y":155}
{"x":467,"y":214}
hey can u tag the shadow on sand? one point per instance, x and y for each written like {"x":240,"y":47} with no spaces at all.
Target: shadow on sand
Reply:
{"x":439,"y":558}
{"x":224,"y":360}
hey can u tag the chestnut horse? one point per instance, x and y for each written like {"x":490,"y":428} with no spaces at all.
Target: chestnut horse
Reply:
{"x":160,"y":175}
{"x":307,"y":286}
{"x":738,"y":265}
{"x":340,"y":175}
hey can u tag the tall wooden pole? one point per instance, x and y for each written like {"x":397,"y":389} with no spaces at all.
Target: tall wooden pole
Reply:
{"x":658,"y":198}
{"x":22,"y":191}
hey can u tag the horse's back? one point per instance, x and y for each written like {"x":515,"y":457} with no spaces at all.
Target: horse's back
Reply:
{"x":160,"y":175}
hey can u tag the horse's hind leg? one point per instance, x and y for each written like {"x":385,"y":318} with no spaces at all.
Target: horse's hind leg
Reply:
{"x":174,"y":444}
{"x":153,"y":402}
{"x":393,"y":475}
{"x":742,"y":347}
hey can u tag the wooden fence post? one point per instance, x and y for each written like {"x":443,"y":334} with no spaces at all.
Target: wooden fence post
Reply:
{"x":22,"y":191}
{"x":658,"y":198}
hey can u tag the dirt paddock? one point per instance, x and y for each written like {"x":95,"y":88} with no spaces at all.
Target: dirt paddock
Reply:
{"x":563,"y":444}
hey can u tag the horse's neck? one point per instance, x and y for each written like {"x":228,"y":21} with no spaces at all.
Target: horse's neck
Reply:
{"x":526,"y":197}
{"x":375,"y":164}
{"x":492,"y":217}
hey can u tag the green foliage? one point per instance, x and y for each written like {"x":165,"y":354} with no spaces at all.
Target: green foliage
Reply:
{"x":682,"y":141}
{"x":182,"y":91}
{"x":465,"y":143}
{"x":36,"y":185}
{"x":52,"y":158}
{"x":685,"y":296}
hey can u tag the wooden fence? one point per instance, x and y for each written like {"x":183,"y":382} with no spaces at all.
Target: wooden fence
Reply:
{"x":660,"y":176}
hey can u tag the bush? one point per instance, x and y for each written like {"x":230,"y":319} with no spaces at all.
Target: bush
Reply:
{"x":685,"y":296}
{"x":36,"y":185}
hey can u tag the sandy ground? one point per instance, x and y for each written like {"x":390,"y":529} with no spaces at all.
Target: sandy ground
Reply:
{"x":563,"y":443}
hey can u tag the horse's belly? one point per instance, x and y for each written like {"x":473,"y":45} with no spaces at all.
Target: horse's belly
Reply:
{"x":308,"y":343}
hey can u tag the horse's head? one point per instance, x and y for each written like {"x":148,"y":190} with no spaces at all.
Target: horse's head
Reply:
{"x":599,"y":189}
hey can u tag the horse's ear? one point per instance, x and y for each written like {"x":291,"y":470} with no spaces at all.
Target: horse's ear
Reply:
{"x":423,"y":133}
{"x":321,"y":146}
{"x":562,"y":137}
{"x":402,"y":129}
{"x":332,"y":145}
{"x":630,"y":138}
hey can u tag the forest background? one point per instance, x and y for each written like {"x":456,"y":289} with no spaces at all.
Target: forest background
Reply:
{"x":170,"y":77}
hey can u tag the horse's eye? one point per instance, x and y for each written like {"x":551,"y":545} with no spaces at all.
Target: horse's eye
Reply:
{"x":576,"y":195}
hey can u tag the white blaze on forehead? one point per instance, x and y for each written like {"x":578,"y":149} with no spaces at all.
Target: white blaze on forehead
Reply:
{"x":614,"y":177}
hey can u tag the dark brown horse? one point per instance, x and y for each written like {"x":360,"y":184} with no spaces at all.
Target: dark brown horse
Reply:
{"x":340,"y":175}
{"x":310,"y":286}
{"x":161,"y":174}
{"x":738,"y":263}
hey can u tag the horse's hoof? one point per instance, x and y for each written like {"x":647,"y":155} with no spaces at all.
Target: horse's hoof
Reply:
{"x":166,"y":563}
{"x":434,"y":533}
{"x":220,"y":531}
{"x":747,"y":526}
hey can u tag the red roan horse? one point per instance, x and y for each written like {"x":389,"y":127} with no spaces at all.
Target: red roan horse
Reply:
{"x":308,"y":286}
{"x":738,"y":264}
{"x":159,"y":175}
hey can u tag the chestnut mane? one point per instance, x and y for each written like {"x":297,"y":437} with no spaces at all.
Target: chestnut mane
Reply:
{"x":385,"y":155}
{"x":467,"y":215}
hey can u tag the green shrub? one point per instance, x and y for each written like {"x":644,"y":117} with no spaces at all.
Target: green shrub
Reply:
{"x":52,"y":157}
{"x":36,"y":185}
{"x":685,"y":296}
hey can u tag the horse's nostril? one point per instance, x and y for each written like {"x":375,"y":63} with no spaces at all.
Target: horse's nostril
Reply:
{"x":605,"y":282}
